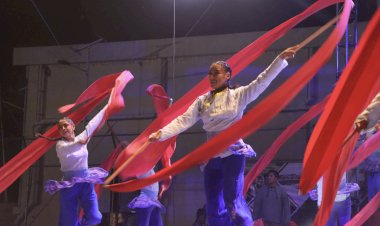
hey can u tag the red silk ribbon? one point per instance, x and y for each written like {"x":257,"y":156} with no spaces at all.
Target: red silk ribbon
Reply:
{"x":15,"y":167}
{"x":254,"y":119}
{"x":264,"y":160}
{"x":238,"y":62}
{"x":325,"y":154}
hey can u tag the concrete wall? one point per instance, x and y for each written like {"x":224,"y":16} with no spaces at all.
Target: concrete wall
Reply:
{"x":51,"y":85}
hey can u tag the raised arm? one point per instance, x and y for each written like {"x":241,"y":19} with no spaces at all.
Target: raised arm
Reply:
{"x":250,"y":92}
{"x":92,"y":125}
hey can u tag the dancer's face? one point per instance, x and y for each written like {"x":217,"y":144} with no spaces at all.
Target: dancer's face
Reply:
{"x":217,"y":76}
{"x":66,"y":129}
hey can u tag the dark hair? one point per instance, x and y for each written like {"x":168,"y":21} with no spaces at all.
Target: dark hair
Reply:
{"x":275,"y":173}
{"x":55,"y":138}
{"x":66,"y":119}
{"x":226,"y":67}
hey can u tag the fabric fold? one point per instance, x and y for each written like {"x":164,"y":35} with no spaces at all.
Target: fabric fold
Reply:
{"x":256,"y":117}
{"x":237,"y":62}
{"x":15,"y":167}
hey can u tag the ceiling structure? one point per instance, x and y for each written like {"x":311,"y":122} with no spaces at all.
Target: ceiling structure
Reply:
{"x":46,"y":22}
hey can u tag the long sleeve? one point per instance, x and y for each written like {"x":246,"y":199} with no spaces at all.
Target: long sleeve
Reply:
{"x":220,"y":111}
{"x":372,"y":113}
{"x":182,"y":122}
{"x":73,"y":155}
{"x":93,"y":124}
{"x":250,"y":92}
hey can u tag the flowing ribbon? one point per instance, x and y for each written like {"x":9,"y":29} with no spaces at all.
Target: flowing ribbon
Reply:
{"x":256,"y":117}
{"x":359,"y":82}
{"x":366,"y":212}
{"x":357,"y":85}
{"x":238,"y":62}
{"x":107,"y":164}
{"x":162,"y":102}
{"x":15,"y":167}
{"x":264,"y":160}
{"x":365,"y":150}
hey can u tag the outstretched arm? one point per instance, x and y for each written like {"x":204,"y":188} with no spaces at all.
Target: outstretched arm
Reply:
{"x":178,"y":125}
{"x":250,"y":92}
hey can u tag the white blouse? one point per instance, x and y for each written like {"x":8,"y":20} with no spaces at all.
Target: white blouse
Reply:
{"x":221,"y":110}
{"x":73,"y":155}
{"x":339,"y":197}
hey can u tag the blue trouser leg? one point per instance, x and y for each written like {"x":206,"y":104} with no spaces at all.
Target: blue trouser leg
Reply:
{"x":89,"y":203}
{"x":224,"y":181}
{"x":149,"y":216}
{"x":155,"y":217}
{"x":340,"y":213}
{"x":233,"y":171}
{"x":69,"y":205}
{"x":215,"y":208}
{"x":373,"y":182}
{"x":69,"y":208}
{"x":344,"y":214}
{"x":143,"y":215}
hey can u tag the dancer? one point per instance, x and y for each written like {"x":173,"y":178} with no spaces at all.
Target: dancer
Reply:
{"x":341,"y":210}
{"x":77,"y":186}
{"x":218,"y":109}
{"x":146,"y":205}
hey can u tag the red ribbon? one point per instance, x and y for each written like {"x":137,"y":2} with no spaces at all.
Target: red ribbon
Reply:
{"x":366,"y":212}
{"x":161,"y":103}
{"x":144,"y":161}
{"x":264,"y":160}
{"x":254,"y":119}
{"x":357,"y":85}
{"x":15,"y":167}
{"x":365,"y":150}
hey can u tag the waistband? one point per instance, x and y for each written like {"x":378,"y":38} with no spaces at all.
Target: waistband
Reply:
{"x":76,"y":173}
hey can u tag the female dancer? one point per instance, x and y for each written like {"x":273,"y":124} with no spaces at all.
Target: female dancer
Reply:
{"x":77,"y":186}
{"x":218,"y":109}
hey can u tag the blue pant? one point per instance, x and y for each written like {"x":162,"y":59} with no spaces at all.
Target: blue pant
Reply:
{"x":149,"y":216}
{"x":224,"y":182}
{"x":81,"y":194}
{"x":340,"y":213}
{"x":373,"y":182}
